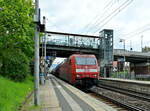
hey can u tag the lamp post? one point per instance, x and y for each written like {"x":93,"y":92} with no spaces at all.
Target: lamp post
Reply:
{"x":45,"y":71}
{"x":141,"y":43}
{"x":36,"y":55}
{"x":123,"y":40}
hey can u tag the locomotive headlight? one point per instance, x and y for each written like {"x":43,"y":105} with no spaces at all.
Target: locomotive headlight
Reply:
{"x":95,"y":75}
{"x":77,"y":75}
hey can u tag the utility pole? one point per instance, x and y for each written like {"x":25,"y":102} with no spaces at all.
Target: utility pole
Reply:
{"x":130,"y":45}
{"x":123,"y":40}
{"x":42,"y":46}
{"x":44,"y":22}
{"x":130,"y":62}
{"x":36,"y":55}
{"x":124,"y":60}
{"x":141,"y":42}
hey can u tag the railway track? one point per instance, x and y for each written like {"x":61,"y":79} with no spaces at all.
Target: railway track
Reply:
{"x":128,"y":100}
{"x":107,"y":101}
{"x":142,"y":96}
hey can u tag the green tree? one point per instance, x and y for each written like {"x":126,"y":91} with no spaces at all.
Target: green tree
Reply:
{"x":16,"y":65}
{"x":16,"y":25}
{"x":16,"y":35}
{"x":146,"y":49}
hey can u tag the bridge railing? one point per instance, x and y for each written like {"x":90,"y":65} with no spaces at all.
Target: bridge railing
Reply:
{"x":72,"y":41}
{"x":130,"y":53}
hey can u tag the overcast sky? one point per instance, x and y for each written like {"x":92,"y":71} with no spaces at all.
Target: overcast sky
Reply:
{"x":88,"y":17}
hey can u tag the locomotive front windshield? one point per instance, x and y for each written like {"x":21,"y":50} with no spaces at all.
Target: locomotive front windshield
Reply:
{"x":85,"y":61}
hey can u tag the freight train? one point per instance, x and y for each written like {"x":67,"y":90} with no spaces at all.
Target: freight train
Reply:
{"x":79,"y":70}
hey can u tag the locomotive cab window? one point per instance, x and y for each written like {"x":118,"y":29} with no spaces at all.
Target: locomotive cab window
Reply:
{"x":85,"y":61}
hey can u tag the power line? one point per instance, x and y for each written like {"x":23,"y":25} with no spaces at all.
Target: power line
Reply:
{"x":100,"y":17}
{"x":137,"y":31}
{"x":115,"y":12}
{"x":56,"y":26}
{"x":132,"y":36}
{"x":108,"y":5}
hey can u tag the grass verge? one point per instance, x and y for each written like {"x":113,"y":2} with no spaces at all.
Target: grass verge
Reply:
{"x":29,"y":106}
{"x":12,"y":94}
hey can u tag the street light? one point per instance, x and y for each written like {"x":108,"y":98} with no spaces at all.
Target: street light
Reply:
{"x":123,"y":40}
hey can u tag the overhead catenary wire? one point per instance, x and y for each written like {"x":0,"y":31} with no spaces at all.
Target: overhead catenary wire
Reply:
{"x":136,"y":32}
{"x":134,"y":44}
{"x":100,"y":19}
{"x":111,"y":14}
{"x":123,"y":6}
{"x":96,"y":18}
{"x":54,"y":25}
{"x":132,"y":36}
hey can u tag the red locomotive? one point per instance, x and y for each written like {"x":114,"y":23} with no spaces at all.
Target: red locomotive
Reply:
{"x":79,"y":69}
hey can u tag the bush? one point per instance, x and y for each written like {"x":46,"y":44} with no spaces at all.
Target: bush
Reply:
{"x":15,"y":65}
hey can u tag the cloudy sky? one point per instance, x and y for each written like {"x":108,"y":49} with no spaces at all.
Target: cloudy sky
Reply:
{"x":130,"y":19}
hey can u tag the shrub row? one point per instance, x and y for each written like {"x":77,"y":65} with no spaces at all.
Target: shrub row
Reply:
{"x":14,"y":65}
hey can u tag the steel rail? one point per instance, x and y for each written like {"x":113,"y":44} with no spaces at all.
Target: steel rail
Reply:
{"x":120,"y":103}
{"x":134,"y":94}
